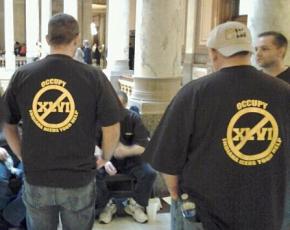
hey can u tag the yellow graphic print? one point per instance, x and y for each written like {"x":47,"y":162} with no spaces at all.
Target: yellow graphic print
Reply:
{"x":43,"y":111}
{"x":263,"y":134}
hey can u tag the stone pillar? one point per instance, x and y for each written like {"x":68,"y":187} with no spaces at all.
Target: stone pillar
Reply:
{"x":102,"y":29}
{"x":118,"y":40}
{"x":189,"y":41}
{"x":32,"y":29}
{"x":71,"y":7}
{"x":267,"y":15}
{"x":46,"y":10}
{"x":9,"y":35}
{"x":157,"y":75}
{"x":87,"y":19}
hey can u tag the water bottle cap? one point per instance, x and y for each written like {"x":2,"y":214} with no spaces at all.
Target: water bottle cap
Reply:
{"x":184,"y":196}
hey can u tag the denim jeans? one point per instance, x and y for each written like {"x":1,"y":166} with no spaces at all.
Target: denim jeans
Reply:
{"x":178,"y":222}
{"x":74,"y":206}
{"x":11,"y":204}
{"x":145,"y":177}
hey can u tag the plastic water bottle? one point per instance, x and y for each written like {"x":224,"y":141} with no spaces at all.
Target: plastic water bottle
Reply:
{"x":10,"y":166}
{"x":188,"y":207}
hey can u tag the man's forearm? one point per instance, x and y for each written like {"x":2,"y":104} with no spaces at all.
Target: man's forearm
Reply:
{"x":133,"y":150}
{"x":111,"y":135}
{"x":13,"y":139}
{"x":172,"y":184}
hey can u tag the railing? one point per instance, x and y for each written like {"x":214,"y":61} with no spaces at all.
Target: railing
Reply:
{"x":126,"y":84}
{"x":2,"y":62}
{"x":19,"y":61}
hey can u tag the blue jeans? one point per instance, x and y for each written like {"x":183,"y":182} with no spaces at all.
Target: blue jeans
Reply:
{"x":74,"y":206}
{"x":178,"y":222}
{"x":11,"y":204}
{"x":145,"y":176}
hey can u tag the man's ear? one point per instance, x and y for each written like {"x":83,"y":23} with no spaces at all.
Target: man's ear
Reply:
{"x":213,"y":54}
{"x":77,"y":40}
{"x":47,"y":40}
{"x":282,"y":52}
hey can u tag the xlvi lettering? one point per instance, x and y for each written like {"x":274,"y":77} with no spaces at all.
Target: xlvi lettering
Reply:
{"x":62,"y":107}
{"x":259,"y":135}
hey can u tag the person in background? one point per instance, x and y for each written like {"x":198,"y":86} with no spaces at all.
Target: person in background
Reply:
{"x":127,"y":160}
{"x":271,"y":49}
{"x":87,"y":52}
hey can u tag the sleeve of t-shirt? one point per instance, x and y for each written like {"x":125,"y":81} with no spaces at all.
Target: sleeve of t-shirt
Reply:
{"x":167,"y":150}
{"x":13,"y":115}
{"x":109,"y":108}
{"x":141,"y":134}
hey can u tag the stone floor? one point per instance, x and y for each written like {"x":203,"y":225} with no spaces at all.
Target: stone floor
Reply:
{"x":162,"y":222}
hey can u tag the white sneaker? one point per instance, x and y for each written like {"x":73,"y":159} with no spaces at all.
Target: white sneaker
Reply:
{"x":108,"y":212}
{"x":136,"y":211}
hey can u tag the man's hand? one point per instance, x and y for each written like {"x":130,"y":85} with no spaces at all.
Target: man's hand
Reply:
{"x":110,"y":168}
{"x":100,"y":162}
{"x":120,"y":151}
{"x":3,"y":154}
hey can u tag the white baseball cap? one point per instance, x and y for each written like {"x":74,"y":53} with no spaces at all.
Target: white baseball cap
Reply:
{"x":230,"y":38}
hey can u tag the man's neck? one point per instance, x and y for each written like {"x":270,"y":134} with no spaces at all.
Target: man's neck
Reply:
{"x":235,"y":61}
{"x":64,"y":50}
{"x":275,"y":70}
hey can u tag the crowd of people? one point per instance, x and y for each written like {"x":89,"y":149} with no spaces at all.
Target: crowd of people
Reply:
{"x":222,"y":145}
{"x":89,"y":54}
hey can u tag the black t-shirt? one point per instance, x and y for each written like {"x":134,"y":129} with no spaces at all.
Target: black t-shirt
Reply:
{"x":285,"y":75}
{"x":227,"y":138}
{"x":59,"y":101}
{"x":133,"y":132}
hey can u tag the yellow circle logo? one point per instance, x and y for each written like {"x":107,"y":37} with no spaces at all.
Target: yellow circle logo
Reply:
{"x":55,"y":115}
{"x":262,"y":135}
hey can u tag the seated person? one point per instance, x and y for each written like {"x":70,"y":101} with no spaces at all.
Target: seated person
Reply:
{"x":12,"y":208}
{"x":126,"y":160}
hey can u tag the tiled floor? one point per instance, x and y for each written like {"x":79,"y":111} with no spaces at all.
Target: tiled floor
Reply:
{"x":162,"y":222}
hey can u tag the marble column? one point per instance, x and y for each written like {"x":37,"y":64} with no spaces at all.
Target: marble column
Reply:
{"x":9,"y":35}
{"x":118,"y":40}
{"x":157,"y":74}
{"x":71,"y":7}
{"x":268,"y":15}
{"x":189,"y":41}
{"x":87,"y":19}
{"x":32,"y":29}
{"x":46,"y":11}
{"x":102,"y":29}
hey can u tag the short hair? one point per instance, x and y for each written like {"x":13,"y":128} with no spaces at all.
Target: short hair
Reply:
{"x":279,"y":39}
{"x":124,"y":96}
{"x":241,"y":54}
{"x":62,"y":29}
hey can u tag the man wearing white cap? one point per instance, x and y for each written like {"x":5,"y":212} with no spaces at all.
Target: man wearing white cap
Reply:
{"x":229,"y":135}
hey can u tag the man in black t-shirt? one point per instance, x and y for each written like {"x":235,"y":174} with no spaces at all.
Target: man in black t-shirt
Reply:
{"x":271,"y":48}
{"x":127,"y":160}
{"x":224,"y":142}
{"x":59,"y":101}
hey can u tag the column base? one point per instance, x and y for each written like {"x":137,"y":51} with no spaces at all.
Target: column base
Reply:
{"x":152,"y":95}
{"x":187,"y":68}
{"x":116,"y":70}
